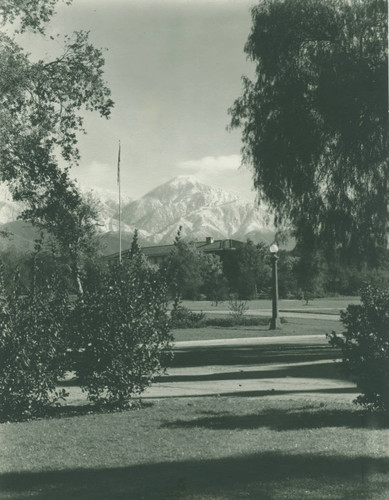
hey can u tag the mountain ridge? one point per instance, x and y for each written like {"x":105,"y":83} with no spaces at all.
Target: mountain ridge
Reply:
{"x":200,"y":209}
{"x":184,"y":201}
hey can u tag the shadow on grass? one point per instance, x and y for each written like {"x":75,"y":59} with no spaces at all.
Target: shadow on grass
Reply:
{"x":79,"y":410}
{"x":265,"y":476}
{"x":276,"y":392}
{"x":261,"y":393}
{"x":254,"y":354}
{"x":281,"y":420}
{"x":329,"y":370}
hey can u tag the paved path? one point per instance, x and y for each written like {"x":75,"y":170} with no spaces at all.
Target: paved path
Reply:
{"x":316,"y":377}
{"x":295,"y":366}
{"x":280,"y":339}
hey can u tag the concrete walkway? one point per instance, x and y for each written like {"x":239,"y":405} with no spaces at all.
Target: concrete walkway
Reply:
{"x":280,"y":339}
{"x":316,"y":378}
{"x":295,"y":366}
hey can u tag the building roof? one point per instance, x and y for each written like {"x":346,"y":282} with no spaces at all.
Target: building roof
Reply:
{"x":218,"y":245}
{"x":205,"y":246}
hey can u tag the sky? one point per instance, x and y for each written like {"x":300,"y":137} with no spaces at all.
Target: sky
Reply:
{"x":174,"y":68}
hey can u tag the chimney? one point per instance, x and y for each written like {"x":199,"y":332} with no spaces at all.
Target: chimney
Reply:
{"x":208,"y":240}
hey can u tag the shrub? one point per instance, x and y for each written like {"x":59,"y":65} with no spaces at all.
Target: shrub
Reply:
{"x":365,"y":346}
{"x":231,"y":322}
{"x":182,"y":317}
{"x":238,"y":309}
{"x":122,"y":330}
{"x":32,"y":347}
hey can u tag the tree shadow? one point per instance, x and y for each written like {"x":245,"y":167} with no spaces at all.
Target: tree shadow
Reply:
{"x":260,"y":393}
{"x":81,"y":409}
{"x":282,"y":392}
{"x":329,"y":370}
{"x":252,"y":354}
{"x":282,"y":420}
{"x":263,"y":475}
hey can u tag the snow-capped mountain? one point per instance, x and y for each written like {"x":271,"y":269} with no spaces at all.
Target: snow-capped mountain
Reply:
{"x":184,"y":201}
{"x":200,"y":209}
{"x":108,"y":204}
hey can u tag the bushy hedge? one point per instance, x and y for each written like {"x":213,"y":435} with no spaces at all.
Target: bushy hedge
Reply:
{"x":115,"y":336}
{"x":32,"y":347}
{"x":365,"y":346}
{"x":182,"y":317}
{"x":230,"y":322}
{"x":121,"y":330}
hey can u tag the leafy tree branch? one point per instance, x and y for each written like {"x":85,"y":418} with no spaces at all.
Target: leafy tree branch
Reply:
{"x":314,"y":121}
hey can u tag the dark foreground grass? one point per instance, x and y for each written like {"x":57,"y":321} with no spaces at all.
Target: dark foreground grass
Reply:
{"x":267,"y":446}
{"x":202,"y":448}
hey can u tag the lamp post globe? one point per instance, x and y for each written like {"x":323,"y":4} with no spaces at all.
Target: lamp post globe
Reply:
{"x":273,"y":248}
{"x":275,"y":323}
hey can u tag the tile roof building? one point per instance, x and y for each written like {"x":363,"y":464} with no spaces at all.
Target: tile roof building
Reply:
{"x":157,"y":254}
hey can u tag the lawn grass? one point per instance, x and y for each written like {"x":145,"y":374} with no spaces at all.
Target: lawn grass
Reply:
{"x":200,"y":448}
{"x":330,"y":305}
{"x":283,"y":444}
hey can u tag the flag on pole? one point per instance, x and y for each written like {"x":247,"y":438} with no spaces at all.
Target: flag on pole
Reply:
{"x":118,"y":175}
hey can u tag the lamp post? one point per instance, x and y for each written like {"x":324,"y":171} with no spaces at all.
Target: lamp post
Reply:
{"x":275,"y":323}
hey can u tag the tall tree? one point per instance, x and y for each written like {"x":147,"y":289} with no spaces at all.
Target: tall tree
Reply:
{"x":184,"y":270}
{"x":41,"y":113}
{"x":247,"y":270}
{"x":189,"y":272}
{"x":314,"y":120}
{"x":215,"y":285}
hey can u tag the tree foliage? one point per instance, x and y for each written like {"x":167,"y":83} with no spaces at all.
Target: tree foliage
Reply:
{"x":248,"y":270}
{"x":365,"y":346}
{"x":115,"y":335}
{"x":32,"y":14}
{"x":41,"y":112}
{"x":314,"y":120}
{"x":70,"y":219}
{"x":122,"y":329}
{"x":33,"y":341}
{"x":190,"y":272}
{"x":310,"y":272}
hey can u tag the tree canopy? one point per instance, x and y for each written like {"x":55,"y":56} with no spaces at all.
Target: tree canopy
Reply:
{"x":41,"y":112}
{"x":314,"y":120}
{"x":189,"y":272}
{"x":31,"y":14}
{"x":248,"y":270}
{"x":41,"y":109}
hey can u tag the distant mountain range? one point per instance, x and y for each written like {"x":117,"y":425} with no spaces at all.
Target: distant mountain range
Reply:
{"x":184,"y":201}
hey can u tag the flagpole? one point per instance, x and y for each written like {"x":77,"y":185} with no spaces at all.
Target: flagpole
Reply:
{"x":120,"y":210}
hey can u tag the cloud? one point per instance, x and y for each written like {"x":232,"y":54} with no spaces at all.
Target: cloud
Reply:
{"x":96,"y":175}
{"x":212,"y":164}
{"x":223,"y":172}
